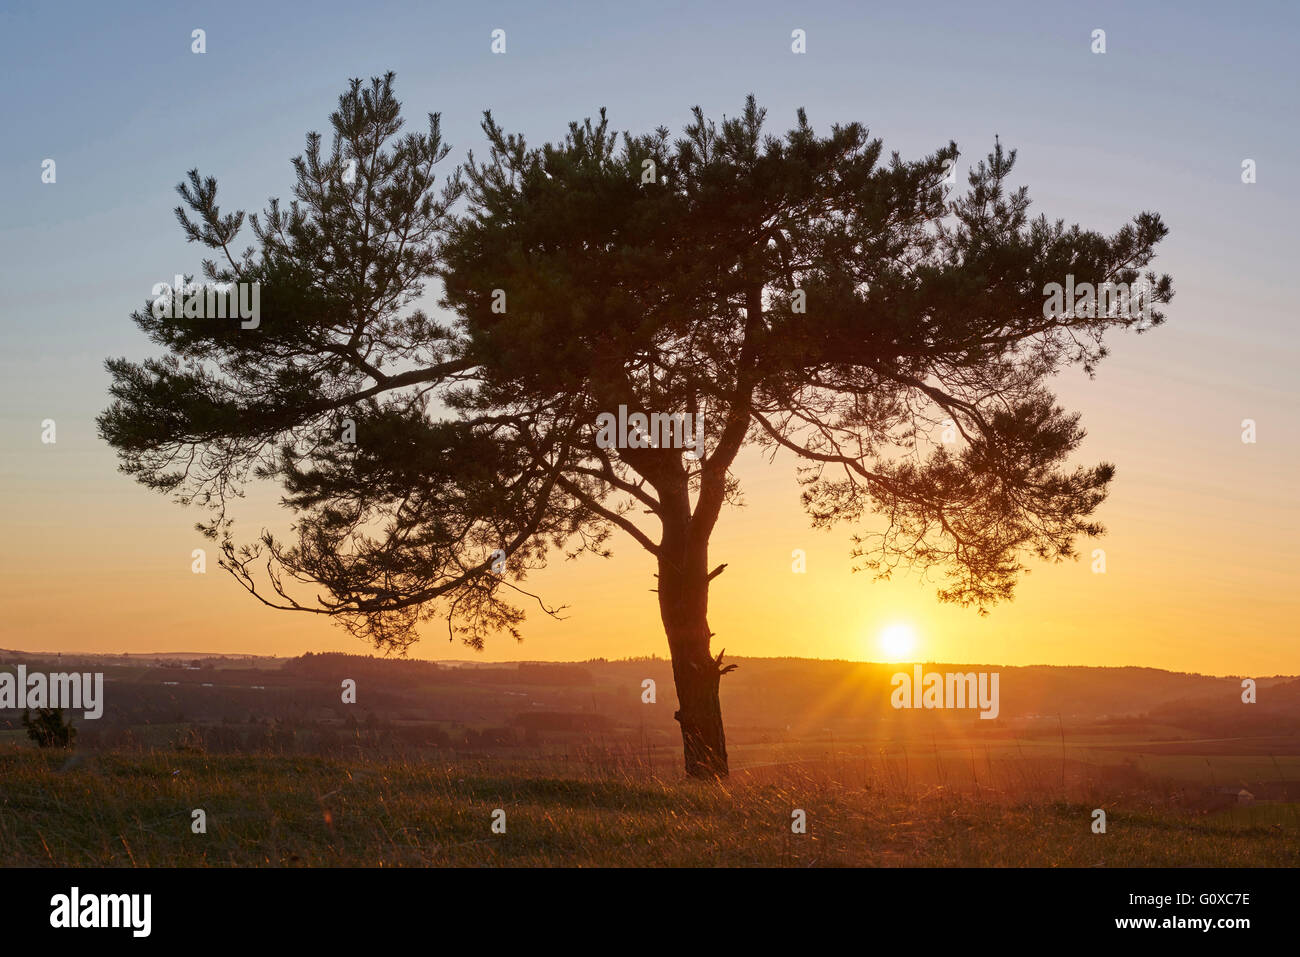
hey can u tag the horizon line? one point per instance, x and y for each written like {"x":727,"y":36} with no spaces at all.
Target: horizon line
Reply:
{"x":546,"y":661}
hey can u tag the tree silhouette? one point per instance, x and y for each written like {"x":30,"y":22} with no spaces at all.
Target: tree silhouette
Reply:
{"x":800,"y":294}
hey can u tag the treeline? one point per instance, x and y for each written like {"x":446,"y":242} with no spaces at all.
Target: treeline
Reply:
{"x":1275,"y":711}
{"x":335,"y":666}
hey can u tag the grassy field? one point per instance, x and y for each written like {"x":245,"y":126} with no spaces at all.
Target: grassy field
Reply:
{"x":119,"y":809}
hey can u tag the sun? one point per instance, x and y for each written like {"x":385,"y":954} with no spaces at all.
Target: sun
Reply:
{"x":898,"y":641}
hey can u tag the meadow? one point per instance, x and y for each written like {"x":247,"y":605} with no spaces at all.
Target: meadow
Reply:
{"x":587,"y":774}
{"x":135,"y":810}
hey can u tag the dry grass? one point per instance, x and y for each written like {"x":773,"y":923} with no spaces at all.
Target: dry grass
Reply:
{"x":135,"y":810}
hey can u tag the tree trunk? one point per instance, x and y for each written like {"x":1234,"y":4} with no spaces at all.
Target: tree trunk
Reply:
{"x":699,"y":711}
{"x":683,"y":606}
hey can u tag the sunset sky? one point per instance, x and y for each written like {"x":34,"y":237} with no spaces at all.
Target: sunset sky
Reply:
{"x":1201,"y":572}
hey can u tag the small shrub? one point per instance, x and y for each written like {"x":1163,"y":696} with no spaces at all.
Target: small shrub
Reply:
{"x":49,"y":729}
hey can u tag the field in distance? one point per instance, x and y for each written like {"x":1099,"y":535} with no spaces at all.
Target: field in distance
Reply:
{"x":586,"y":771}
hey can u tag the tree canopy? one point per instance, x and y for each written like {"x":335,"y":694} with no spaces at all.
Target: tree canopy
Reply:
{"x":805,"y":294}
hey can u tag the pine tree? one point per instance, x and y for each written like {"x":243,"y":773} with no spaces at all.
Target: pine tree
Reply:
{"x":798,"y":293}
